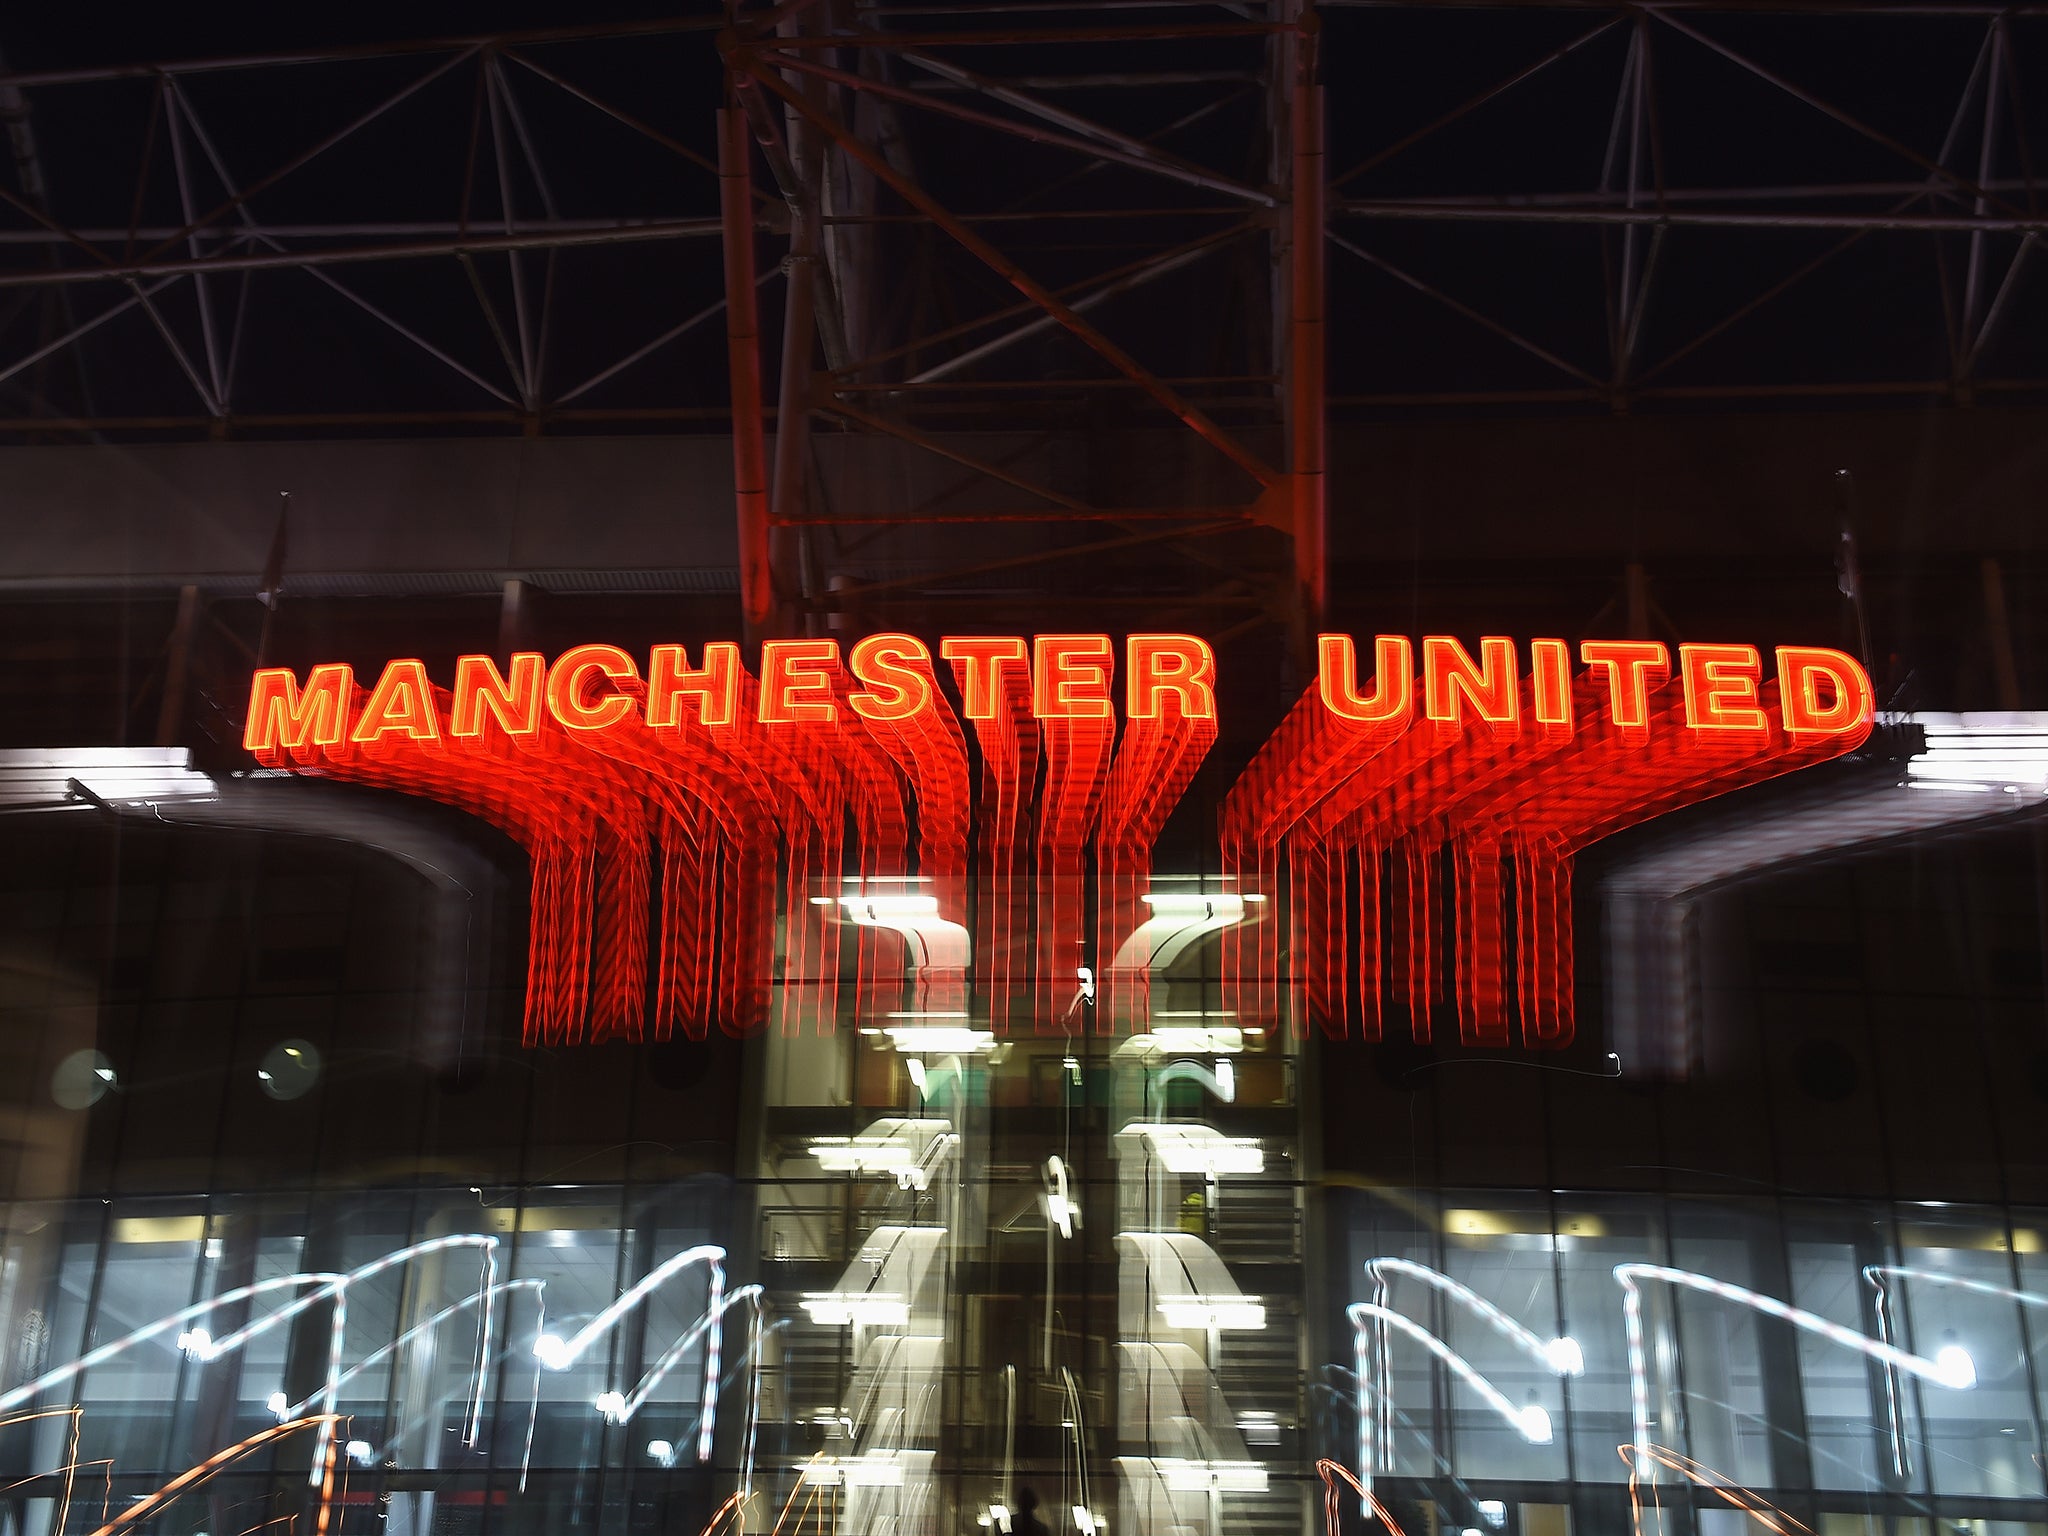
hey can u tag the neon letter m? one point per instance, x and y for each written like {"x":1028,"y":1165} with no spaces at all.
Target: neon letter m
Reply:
{"x":282,"y":716}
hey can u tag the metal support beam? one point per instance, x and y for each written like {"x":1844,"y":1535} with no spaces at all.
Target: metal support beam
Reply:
{"x":170,"y":715}
{"x":1998,"y":630}
{"x":1308,"y":428}
{"x":743,"y":356}
{"x":877,"y":166}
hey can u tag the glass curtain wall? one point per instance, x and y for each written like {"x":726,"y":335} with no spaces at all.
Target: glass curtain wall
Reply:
{"x":1806,"y":1282}
{"x":274,"y":1239}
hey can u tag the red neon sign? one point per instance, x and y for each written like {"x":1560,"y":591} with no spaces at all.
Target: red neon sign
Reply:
{"x":1425,"y":820}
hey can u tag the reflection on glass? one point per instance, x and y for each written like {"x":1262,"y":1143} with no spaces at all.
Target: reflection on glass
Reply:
{"x":289,"y":1069}
{"x":81,"y":1080}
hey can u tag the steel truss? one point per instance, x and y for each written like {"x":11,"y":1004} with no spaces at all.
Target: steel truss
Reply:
{"x":930,"y":290}
{"x":996,"y":236}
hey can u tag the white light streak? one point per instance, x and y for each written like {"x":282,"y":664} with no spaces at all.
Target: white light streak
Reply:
{"x":1532,"y":1424}
{"x":712,"y":1258}
{"x":326,"y":1285}
{"x":1561,"y":1356}
{"x":1877,"y":1275}
{"x":1627,"y":1276}
{"x":1060,"y":1209}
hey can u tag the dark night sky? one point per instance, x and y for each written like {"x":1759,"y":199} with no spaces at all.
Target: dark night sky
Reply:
{"x":1874,"y":312}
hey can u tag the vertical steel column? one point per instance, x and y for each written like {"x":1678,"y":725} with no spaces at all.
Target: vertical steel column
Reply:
{"x":1998,"y":625}
{"x":743,"y":357}
{"x":789,"y":493}
{"x":170,"y":715}
{"x":1306,"y":378}
{"x":512,"y":619}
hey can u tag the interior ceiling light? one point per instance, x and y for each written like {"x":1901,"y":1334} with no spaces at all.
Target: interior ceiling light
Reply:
{"x":940,"y":1039}
{"x":901,"y":1148}
{"x":1199,"y":1149}
{"x":1186,"y":1476}
{"x":1220,"y":1312}
{"x":865,"y":1309}
{"x":1166,"y":1038}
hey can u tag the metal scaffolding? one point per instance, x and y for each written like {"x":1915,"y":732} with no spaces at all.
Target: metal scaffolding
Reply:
{"x":1005,"y":283}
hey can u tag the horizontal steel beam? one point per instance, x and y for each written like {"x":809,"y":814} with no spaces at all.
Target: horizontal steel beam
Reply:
{"x":349,"y":55}
{"x":1045,"y":515}
{"x":1516,"y":212}
{"x":1619,"y":197}
{"x":1005,"y":416}
{"x":1981,"y":9}
{"x":388,"y":229}
{"x":613,"y":234}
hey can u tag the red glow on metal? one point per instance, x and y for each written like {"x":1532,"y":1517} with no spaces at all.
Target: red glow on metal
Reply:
{"x":1375,"y":820}
{"x":1428,"y":869}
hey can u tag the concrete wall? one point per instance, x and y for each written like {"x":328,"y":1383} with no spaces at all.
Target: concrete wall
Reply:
{"x":656,"y":513}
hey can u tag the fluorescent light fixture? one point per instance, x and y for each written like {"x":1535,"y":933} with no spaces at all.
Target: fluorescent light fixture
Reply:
{"x":1235,"y":1312}
{"x":1228,"y":907}
{"x":1982,"y":751}
{"x":940,"y":1039}
{"x":875,"y":1471}
{"x":1259,"y":1428}
{"x":878,"y":909}
{"x":1199,"y":1148}
{"x":863,"y":1309}
{"x":1185,"y":1040}
{"x":871,"y":1471}
{"x":1184,"y":1476}
{"x":662,"y":1451}
{"x":612,"y":1405}
{"x":897,"y":1147}
{"x":116,"y":775}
